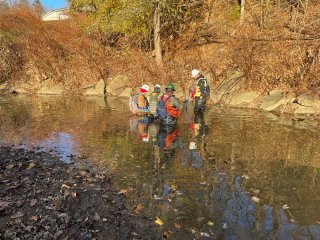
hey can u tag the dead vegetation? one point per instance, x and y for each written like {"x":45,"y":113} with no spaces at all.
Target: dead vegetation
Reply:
{"x":276,"y":45}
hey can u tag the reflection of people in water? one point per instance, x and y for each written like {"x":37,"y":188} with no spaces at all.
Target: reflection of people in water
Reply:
{"x":196,"y":151}
{"x":198,"y":127}
{"x":168,"y":140}
{"x":140,"y":125}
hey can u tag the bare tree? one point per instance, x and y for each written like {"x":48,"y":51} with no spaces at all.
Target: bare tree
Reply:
{"x":242,"y":12}
{"x":37,"y":7}
{"x":157,"y":37}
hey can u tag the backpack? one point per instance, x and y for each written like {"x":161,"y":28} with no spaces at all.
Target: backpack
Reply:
{"x":133,"y":103}
{"x":161,"y":108}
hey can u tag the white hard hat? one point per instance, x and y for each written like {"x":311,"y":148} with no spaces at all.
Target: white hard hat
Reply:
{"x":192,"y":145}
{"x":157,"y":86}
{"x":195,"y":72}
{"x":145,"y":87}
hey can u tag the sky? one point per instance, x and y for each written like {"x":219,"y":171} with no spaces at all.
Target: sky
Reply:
{"x":54,"y":4}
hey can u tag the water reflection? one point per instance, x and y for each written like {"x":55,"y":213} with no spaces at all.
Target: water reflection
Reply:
{"x":235,"y":208}
{"x":196,"y":153}
{"x":207,"y":169}
{"x":64,"y":144}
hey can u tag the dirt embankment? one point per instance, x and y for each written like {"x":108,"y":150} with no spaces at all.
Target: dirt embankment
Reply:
{"x":44,"y":198}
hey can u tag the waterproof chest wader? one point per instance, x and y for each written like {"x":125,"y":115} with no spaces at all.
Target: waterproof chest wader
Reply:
{"x":201,"y":95}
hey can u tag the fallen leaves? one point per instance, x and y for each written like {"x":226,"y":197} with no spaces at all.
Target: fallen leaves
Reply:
{"x":9,"y":167}
{"x":285,"y":206}
{"x":158,"y":221}
{"x":17,"y":215}
{"x":40,"y":193}
{"x":200,"y":219}
{"x":31,"y":165}
{"x":64,"y":187}
{"x":204,"y":234}
{"x":210,"y":223}
{"x":246,"y":177}
{"x":255,"y":199}
{"x":33,"y":202}
{"x":177,"y":226}
{"x":166,"y":234}
{"x":34,"y":218}
{"x":123,"y":191}
{"x":138,"y":208}
{"x":73,"y":194}
{"x":4,"y":205}
{"x":224,"y":226}
{"x":97,"y":217}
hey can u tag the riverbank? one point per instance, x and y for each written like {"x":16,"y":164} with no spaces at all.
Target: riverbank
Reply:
{"x":229,"y":92}
{"x":42,"y":197}
{"x":232,"y":91}
{"x":48,"y":58}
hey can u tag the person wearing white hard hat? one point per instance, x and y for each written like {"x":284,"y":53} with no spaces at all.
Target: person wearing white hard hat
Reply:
{"x":200,"y":91}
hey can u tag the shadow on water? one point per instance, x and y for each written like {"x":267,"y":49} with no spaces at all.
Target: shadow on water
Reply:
{"x":228,"y":174}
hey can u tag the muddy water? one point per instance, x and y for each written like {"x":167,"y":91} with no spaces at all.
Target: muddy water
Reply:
{"x":230,"y":174}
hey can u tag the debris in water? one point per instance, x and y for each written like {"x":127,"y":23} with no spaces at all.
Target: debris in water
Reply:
{"x":285,"y":206}
{"x":158,"y":221}
{"x":123,"y":191}
{"x":255,"y":199}
{"x":166,"y":234}
{"x":210,"y":223}
{"x":200,"y":219}
{"x":204,"y":234}
{"x":177,"y":226}
{"x":138,"y":208}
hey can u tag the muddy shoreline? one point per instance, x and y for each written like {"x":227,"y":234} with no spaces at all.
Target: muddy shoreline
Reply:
{"x":42,"y":197}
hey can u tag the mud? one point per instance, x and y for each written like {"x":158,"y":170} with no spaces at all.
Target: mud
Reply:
{"x":42,"y":197}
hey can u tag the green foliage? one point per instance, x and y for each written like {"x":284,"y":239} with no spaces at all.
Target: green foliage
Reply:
{"x":130,"y":17}
{"x":10,"y":36}
{"x":134,"y":18}
{"x":234,"y":11}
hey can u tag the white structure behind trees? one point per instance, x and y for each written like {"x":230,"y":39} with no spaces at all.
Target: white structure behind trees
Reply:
{"x":55,"y":15}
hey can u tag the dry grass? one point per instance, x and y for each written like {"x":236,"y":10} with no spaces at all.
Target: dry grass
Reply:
{"x":276,"y":47}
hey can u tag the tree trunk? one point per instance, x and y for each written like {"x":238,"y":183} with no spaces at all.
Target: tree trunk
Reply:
{"x":157,"y":39}
{"x":242,"y":11}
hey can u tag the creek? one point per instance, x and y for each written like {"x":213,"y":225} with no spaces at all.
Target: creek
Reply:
{"x":229,"y":174}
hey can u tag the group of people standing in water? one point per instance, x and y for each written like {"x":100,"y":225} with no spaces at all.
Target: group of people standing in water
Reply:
{"x":158,"y":114}
{"x":165,"y":107}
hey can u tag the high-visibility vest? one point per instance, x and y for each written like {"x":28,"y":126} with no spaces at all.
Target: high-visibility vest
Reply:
{"x":197,"y":88}
{"x":172,"y":111}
